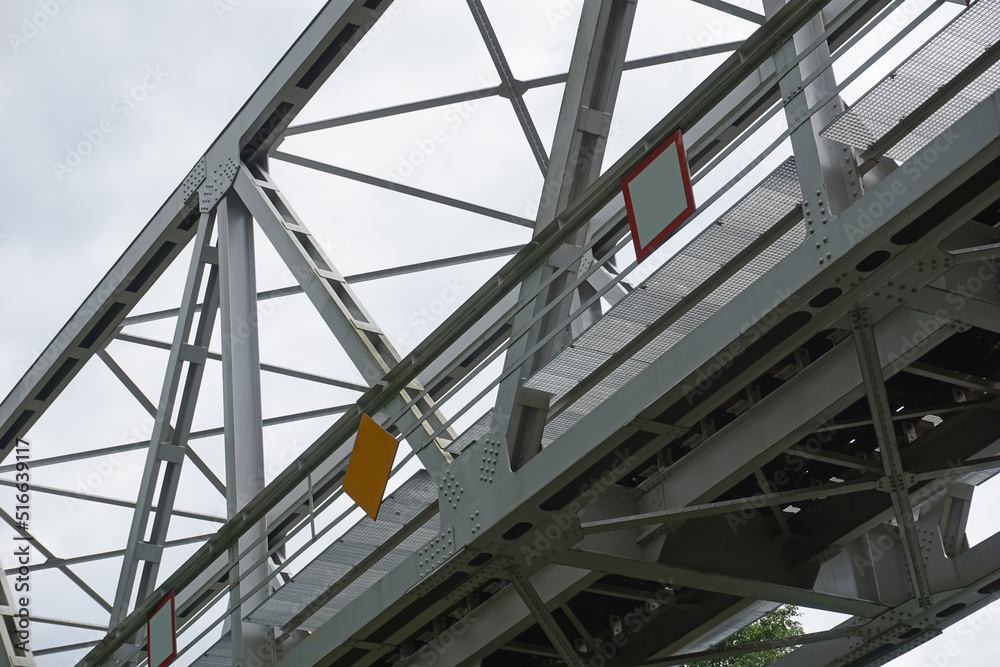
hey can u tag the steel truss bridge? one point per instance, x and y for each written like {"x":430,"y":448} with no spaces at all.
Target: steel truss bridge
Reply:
{"x":792,"y":407}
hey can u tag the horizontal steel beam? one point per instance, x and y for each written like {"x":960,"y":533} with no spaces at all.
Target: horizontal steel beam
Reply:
{"x":975,"y":465}
{"x":104,"y":500}
{"x":956,"y":378}
{"x":733,"y":10}
{"x":68,"y":624}
{"x":746,"y":649}
{"x":402,"y":189}
{"x":268,"y":368}
{"x":378,"y":274}
{"x":718,"y":583}
{"x":492,"y":91}
{"x":66,"y":648}
{"x":755,"y":51}
{"x":724,"y":507}
{"x":90,"y":558}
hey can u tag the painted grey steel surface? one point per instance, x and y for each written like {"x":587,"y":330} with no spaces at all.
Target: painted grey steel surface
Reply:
{"x":244,"y":437}
{"x":696,"y":386}
{"x":751,"y":218}
{"x":163,"y":435}
{"x":919,"y":77}
{"x":255,"y":128}
{"x":580,"y":435}
{"x":399,"y":517}
{"x":578,"y":148}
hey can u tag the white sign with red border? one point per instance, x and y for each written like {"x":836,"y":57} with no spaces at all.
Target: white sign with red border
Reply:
{"x":658,"y":196}
{"x":161,"y":633}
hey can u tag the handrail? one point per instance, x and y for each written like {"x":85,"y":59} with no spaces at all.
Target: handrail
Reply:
{"x":755,"y":51}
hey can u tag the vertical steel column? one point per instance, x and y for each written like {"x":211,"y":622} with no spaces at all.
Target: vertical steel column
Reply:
{"x":579,"y":144}
{"x":577,"y":154}
{"x":898,"y":481}
{"x":244,"y":436}
{"x":827,"y":171}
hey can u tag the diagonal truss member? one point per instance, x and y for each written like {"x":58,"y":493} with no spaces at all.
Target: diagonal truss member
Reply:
{"x":167,"y":445}
{"x":544,"y":617}
{"x":509,"y":86}
{"x":354,"y":327}
{"x":878,"y":401}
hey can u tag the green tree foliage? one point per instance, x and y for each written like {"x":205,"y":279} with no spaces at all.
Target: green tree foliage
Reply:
{"x":777,"y":624}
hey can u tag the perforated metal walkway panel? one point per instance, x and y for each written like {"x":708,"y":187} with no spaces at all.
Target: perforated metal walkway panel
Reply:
{"x":773,"y":200}
{"x":919,"y":77}
{"x":337,"y":567}
{"x":334,"y":566}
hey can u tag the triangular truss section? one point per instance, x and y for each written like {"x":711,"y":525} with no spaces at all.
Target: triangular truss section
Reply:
{"x":182,"y":312}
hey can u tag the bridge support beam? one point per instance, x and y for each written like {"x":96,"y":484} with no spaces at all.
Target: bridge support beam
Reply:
{"x":898,"y":484}
{"x":577,"y":154}
{"x":543,"y":616}
{"x":827,"y":171}
{"x":252,"y":644}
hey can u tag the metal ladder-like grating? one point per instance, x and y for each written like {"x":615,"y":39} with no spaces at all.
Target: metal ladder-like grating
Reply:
{"x":932,"y":66}
{"x":751,"y":614}
{"x":334,"y":566}
{"x":480,"y":428}
{"x":777,"y":196}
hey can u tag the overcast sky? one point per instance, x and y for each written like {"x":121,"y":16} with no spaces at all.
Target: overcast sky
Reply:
{"x":145,"y":88}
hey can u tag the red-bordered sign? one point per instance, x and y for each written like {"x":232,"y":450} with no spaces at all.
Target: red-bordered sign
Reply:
{"x":169,"y":600}
{"x":675,"y":145}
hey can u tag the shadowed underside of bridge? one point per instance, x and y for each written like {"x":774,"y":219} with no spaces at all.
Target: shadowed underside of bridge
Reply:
{"x":794,"y":405}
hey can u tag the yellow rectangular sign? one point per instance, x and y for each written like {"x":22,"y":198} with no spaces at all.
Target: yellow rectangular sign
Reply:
{"x":370,"y":465}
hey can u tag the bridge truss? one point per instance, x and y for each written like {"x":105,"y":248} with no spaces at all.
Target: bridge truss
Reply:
{"x":606,"y":463}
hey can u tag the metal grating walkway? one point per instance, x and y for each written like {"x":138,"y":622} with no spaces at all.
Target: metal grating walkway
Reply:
{"x":751,"y":614}
{"x":918,"y":78}
{"x":336,"y":567}
{"x":773,"y":200}
{"x":338,"y":573}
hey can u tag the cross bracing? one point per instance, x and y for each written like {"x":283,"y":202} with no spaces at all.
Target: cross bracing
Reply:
{"x":800,"y":354}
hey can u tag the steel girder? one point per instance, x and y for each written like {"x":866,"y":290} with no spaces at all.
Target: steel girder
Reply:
{"x":251,"y":134}
{"x":642,"y":407}
{"x":441,"y":342}
{"x":578,"y":151}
